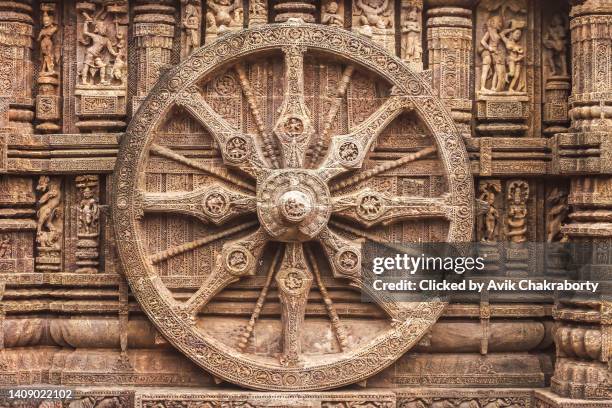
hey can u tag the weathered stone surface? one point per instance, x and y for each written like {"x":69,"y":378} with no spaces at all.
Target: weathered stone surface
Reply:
{"x":186,"y":187}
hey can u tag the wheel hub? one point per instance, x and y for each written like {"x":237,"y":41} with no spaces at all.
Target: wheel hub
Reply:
{"x":293,"y":205}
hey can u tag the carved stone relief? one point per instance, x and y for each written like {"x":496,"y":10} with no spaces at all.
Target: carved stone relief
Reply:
{"x":253,"y":173}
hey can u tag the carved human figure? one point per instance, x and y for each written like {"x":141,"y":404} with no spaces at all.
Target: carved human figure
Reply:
{"x":411,"y":31}
{"x":5,"y":245}
{"x":488,"y":192}
{"x":518,"y":192}
{"x":100,"y":42}
{"x":554,"y":39}
{"x":191,"y":26}
{"x":47,"y":49}
{"x":223,"y":14}
{"x":258,"y":8}
{"x":47,"y":214}
{"x":331,"y":16}
{"x":557,"y":212}
{"x":515,"y":55}
{"x":89,"y":211}
{"x":373,"y":14}
{"x":492,"y":56}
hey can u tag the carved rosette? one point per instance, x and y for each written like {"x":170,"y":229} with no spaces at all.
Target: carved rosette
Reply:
{"x":290,"y":205}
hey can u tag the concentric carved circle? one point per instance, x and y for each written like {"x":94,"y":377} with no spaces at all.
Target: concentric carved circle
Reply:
{"x":293,"y":205}
{"x":306,"y":201}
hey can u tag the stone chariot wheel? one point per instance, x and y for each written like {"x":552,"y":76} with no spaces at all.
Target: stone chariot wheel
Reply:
{"x":287,"y":198}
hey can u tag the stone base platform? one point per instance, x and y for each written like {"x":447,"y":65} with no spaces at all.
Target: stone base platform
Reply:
{"x":228,"y":397}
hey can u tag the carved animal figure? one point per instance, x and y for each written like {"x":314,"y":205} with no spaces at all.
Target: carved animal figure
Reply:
{"x":48,"y":205}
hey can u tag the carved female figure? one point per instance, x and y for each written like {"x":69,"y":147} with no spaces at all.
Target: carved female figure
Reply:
{"x":492,"y":56}
{"x":554,"y":39}
{"x":411,"y":30}
{"x":516,"y":54}
{"x":518,"y":192}
{"x":45,"y":37}
{"x":191,"y":25}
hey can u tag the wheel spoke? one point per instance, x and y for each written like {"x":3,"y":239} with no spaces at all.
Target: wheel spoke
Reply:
{"x":238,"y":149}
{"x":213,"y":171}
{"x":294,"y":128}
{"x":382,"y":168}
{"x":337,"y":327}
{"x":237,"y":259}
{"x":370,"y":207}
{"x":269,"y":148}
{"x":190,"y":246}
{"x":293,"y":280}
{"x":248,"y":331}
{"x":212,"y":204}
{"x":347,"y":152}
{"x":317,"y":148}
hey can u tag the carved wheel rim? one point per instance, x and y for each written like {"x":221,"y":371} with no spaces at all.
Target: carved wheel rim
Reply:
{"x":304,"y":205}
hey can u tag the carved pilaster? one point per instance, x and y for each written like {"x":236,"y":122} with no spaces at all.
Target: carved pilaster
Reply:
{"x":153,"y":34}
{"x":101,"y":89}
{"x":49,"y":74}
{"x":375,"y":19}
{"x":583,"y":365}
{"x":16,"y":34}
{"x":449,"y":43}
{"x":286,"y":9}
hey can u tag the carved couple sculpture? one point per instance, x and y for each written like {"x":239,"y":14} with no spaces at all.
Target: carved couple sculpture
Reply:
{"x":502,"y":56}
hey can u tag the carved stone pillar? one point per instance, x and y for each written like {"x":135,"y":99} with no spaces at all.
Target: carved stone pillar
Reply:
{"x":153,"y":35}
{"x":584,"y":333}
{"x":286,"y":9}
{"x":449,"y":42}
{"x":16,"y":34}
